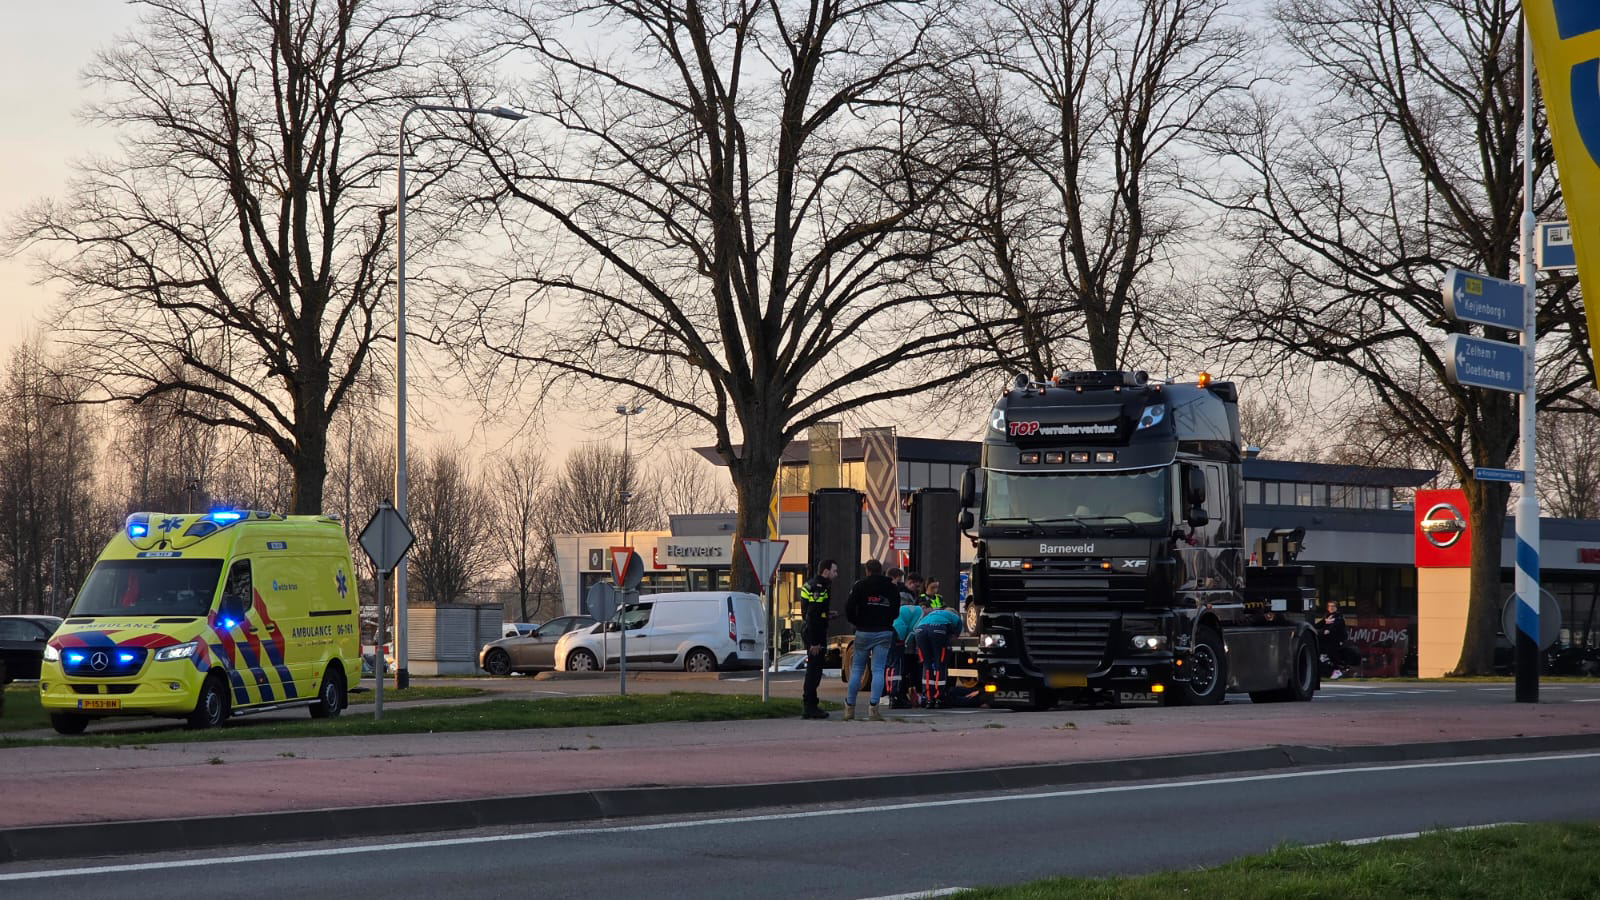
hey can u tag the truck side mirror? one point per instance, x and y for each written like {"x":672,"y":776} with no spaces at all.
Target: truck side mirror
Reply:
{"x":971,"y":488}
{"x":1198,"y":517}
{"x":965,"y":521}
{"x":1194,"y":482}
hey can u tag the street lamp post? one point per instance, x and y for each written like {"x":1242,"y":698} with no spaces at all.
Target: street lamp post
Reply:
{"x":401,"y":676}
{"x":626,"y":494}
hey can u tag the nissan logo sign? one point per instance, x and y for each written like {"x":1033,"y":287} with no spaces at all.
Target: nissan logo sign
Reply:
{"x":1443,"y":525}
{"x":99,"y":661}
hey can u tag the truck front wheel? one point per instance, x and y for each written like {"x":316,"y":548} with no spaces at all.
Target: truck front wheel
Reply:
{"x":1208,"y":671}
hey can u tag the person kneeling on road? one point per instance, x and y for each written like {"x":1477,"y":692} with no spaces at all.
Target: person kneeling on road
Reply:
{"x":933,"y":633}
{"x":904,"y":622}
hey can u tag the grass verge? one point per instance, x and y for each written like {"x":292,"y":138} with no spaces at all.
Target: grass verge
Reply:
{"x":23,"y":712}
{"x":488,"y":715}
{"x":1529,"y":862}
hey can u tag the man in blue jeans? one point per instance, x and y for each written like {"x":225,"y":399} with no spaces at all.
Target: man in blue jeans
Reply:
{"x":871,"y":608}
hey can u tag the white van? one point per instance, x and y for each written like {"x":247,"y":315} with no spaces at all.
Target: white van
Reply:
{"x":697,"y":631}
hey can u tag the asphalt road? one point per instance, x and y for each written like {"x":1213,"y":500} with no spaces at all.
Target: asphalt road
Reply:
{"x":850,"y":852}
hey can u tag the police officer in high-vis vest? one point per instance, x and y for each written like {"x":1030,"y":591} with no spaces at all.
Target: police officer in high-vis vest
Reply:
{"x":814,"y":633}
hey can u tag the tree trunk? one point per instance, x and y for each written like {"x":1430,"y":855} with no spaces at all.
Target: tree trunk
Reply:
{"x":753,"y":475}
{"x":309,"y":466}
{"x":1486,"y":511}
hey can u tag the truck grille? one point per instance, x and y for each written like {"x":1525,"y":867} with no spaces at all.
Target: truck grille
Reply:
{"x":1066,"y":641}
{"x":1056,"y":582}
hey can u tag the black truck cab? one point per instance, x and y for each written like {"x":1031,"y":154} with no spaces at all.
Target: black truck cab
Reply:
{"x":1108,"y":511}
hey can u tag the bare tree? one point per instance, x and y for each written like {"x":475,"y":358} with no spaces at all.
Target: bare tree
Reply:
{"x":1569,"y":465}
{"x":1350,"y":198}
{"x":455,"y":548}
{"x":53,"y":522}
{"x":518,"y":486}
{"x":585,"y":496}
{"x":236,"y":251}
{"x":1266,"y":423}
{"x":685,"y":483}
{"x":735,"y":217}
{"x":1084,"y":113}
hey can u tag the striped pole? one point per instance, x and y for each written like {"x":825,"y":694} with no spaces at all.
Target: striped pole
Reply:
{"x":1527,"y":579}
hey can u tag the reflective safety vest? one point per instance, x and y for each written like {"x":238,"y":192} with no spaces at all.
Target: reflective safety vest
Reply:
{"x":935,"y":601}
{"x":816,"y":601}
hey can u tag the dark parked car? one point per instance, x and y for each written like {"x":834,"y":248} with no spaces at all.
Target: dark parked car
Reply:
{"x":22,"y":644}
{"x":532,"y":652}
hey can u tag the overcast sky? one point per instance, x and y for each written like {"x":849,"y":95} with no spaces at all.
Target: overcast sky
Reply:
{"x":45,"y":47}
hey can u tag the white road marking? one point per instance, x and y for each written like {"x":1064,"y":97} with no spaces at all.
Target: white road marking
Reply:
{"x":1411,"y":835}
{"x":770,"y":817}
{"x":941,"y":892}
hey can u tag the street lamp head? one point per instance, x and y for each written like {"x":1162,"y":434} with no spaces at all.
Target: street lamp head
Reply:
{"x":624,"y":410}
{"x":506,"y":112}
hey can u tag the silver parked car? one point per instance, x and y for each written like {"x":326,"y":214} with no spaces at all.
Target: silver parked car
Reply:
{"x":530,"y":652}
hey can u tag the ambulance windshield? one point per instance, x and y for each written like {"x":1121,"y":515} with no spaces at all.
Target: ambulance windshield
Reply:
{"x":149,"y":587}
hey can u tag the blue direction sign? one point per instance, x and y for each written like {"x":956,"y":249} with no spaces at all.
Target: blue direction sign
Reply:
{"x":1482,"y":363}
{"x":1483,"y":473}
{"x":1471,"y":297}
{"x":1555,"y":246}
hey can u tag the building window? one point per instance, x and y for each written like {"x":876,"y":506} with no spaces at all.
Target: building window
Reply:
{"x":919,"y":475}
{"x":1319,"y":495}
{"x":1302,"y":495}
{"x":1271,"y":488}
{"x":904,"y":471}
{"x":1252,"y":492}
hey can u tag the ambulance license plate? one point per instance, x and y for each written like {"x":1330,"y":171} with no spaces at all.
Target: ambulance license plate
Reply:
{"x":1066,"y":679}
{"x":99,"y":704}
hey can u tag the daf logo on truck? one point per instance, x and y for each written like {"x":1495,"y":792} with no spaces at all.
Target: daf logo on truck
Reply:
{"x":218,"y":621}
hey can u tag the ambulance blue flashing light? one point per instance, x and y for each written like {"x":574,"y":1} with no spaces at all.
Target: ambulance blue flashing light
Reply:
{"x":138,"y":529}
{"x":226,"y":516}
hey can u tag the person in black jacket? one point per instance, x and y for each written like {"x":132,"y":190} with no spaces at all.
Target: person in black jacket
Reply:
{"x":1332,"y":635}
{"x":873,"y":604}
{"x":814,"y":633}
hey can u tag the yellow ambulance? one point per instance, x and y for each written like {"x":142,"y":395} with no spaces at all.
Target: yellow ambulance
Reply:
{"x":203,"y":616}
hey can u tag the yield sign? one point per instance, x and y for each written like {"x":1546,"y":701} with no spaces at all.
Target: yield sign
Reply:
{"x":627,"y":568}
{"x":764,"y":557}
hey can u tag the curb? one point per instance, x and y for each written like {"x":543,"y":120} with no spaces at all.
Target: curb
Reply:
{"x":160,"y":835}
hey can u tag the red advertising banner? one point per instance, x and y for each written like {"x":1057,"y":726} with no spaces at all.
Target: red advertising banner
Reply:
{"x":1441,"y":535}
{"x":1382,"y":641}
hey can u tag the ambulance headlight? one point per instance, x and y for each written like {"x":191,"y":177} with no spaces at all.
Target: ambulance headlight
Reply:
{"x":52,"y":653}
{"x":177,"y":651}
{"x":1149,"y":642}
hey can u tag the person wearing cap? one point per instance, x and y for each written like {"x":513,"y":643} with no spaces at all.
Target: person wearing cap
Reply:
{"x":933,"y":633}
{"x":814,"y":634}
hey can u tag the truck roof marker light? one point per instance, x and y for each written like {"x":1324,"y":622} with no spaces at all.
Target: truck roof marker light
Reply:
{"x":1080,"y":456}
{"x":1105,"y":456}
{"x":1055,"y":458}
{"x":1204,"y":380}
{"x":1031,"y":458}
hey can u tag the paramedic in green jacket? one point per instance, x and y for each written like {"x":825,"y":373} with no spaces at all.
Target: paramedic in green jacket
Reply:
{"x":933,"y":633}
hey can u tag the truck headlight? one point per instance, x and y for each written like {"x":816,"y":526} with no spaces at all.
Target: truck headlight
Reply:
{"x":992,"y":641}
{"x":1149,"y":642}
{"x":177,"y":651}
{"x":52,"y":653}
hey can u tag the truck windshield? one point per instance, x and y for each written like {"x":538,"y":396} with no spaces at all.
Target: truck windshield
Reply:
{"x":149,"y":587}
{"x":1093,"y":501}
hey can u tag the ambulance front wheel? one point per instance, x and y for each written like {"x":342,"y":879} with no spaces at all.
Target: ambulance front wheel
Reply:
{"x":211,"y":708}
{"x":69,"y":723}
{"x":331,"y":699}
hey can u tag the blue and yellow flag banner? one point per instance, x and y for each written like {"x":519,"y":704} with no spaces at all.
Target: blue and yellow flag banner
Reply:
{"x":1566,"y":50}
